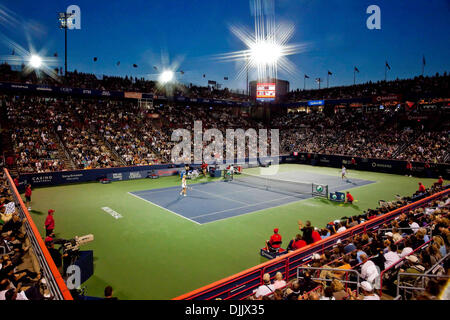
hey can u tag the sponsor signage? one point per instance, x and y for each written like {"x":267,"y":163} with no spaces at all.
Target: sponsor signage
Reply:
{"x":316,"y":103}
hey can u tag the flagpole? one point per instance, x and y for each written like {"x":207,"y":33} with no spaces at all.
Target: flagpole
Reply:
{"x":354,"y":76}
{"x":247,"y":78}
{"x":328,"y":79}
{"x":423,"y":65}
{"x":385,"y":72}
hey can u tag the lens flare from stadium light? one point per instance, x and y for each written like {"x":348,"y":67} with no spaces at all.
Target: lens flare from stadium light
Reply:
{"x":166,"y":76}
{"x":31,"y":60}
{"x":35,"y":61}
{"x":267,"y":46}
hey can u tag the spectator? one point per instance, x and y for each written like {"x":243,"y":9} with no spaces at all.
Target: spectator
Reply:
{"x":274,"y":243}
{"x":296,"y":243}
{"x":391,"y":256}
{"x":369,"y":271}
{"x":109,"y":293}
{"x":28,"y":196}
{"x":264,"y":289}
{"x":279,"y":282}
{"x":307,"y":231}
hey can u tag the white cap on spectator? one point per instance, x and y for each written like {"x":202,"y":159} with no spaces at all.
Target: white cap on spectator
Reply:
{"x":389,"y":234}
{"x":316,"y":256}
{"x":366,"y":286}
{"x":412,"y":258}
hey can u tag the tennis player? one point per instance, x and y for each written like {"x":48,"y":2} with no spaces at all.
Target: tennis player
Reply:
{"x":183,"y":185}
{"x":344,"y":172}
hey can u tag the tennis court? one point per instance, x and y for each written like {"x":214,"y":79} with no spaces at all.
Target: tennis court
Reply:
{"x":219,"y":200}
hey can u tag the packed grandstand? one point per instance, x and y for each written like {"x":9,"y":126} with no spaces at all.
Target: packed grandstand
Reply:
{"x":54,"y":133}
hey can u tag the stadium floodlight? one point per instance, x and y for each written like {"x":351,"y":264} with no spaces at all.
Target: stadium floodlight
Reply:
{"x":265,"y":52}
{"x":166,"y":76}
{"x":35,"y":61}
{"x":65,"y":20}
{"x":267,"y":46}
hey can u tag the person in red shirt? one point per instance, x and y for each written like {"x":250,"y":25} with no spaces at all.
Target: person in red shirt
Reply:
{"x":49,"y":223}
{"x":316,"y":236}
{"x":28,"y":196}
{"x":408,"y":168}
{"x":439,"y":183}
{"x":16,"y":182}
{"x":296,"y":243}
{"x":350,"y":198}
{"x":421,"y":188}
{"x":204,"y":168}
{"x":274,"y":242}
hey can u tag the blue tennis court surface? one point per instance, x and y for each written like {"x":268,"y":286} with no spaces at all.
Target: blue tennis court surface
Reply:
{"x":212,"y":201}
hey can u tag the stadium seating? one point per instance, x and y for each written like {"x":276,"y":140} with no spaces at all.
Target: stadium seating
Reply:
{"x":430,"y":210}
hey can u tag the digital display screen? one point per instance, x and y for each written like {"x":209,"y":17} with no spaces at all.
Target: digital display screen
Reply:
{"x":265,"y":92}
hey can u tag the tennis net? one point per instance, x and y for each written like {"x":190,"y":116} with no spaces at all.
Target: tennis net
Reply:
{"x":272,"y":184}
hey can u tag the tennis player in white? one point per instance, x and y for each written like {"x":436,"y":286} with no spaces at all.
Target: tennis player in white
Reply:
{"x":344,"y":172}
{"x":183,"y":185}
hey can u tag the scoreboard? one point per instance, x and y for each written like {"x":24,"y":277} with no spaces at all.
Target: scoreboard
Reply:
{"x":265,"y":92}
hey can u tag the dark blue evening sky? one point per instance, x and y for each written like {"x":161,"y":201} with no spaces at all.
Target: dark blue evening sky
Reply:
{"x":190,"y":32}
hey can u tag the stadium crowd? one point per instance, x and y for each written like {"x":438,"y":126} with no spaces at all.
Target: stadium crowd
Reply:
{"x":20,"y":275}
{"x":414,"y":242}
{"x":366,"y":135}
{"x":63,"y":133}
{"x":83,"y":80}
{"x":418,"y":87}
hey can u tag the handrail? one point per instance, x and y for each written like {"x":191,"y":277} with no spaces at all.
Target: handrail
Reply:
{"x":305,"y":252}
{"x":51,"y":272}
{"x":401,"y":261}
{"x":333,"y":269}
{"x":65,"y":150}
{"x":400,"y":274}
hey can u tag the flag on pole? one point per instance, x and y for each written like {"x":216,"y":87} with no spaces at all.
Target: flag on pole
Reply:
{"x":135,"y":65}
{"x":118,"y":63}
{"x":318,"y":80}
{"x":306,"y":76}
{"x":423,"y":61}
{"x":330,"y":73}
{"x":225,"y":78}
{"x":182,"y":72}
{"x":356,"y":69}
{"x":95,"y":59}
{"x":154,"y":67}
{"x":55,"y":54}
{"x":204,"y":76}
{"x":388,"y":66}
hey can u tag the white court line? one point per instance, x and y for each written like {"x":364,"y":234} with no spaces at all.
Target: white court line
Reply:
{"x":219,"y":196}
{"x":164,"y":208}
{"x":274,"y":207}
{"x":247,"y":206}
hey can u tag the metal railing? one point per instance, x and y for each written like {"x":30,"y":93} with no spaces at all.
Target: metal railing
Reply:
{"x":412,"y":286}
{"x":63,"y":147}
{"x":346,"y":281}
